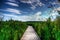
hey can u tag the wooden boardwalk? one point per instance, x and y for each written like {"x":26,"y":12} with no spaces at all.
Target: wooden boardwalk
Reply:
{"x":30,"y":34}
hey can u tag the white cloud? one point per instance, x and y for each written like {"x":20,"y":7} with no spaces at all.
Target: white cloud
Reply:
{"x":58,"y":9}
{"x":13,"y":10}
{"x":15,"y":17}
{"x":33,"y":7}
{"x":41,"y":4}
{"x":9,"y":15}
{"x":53,"y":14}
{"x":12,"y":0}
{"x":35,"y":17}
{"x":55,"y":10}
{"x":37,"y":4}
{"x":55,"y":3}
{"x":28,"y":1}
{"x":38,"y":13}
{"x":33,"y":3}
{"x":39,"y":17}
{"x":12,"y":4}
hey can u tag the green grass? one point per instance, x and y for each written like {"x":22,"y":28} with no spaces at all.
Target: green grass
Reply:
{"x":13,"y":30}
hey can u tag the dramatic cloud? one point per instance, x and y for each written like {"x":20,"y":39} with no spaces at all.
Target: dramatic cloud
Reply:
{"x":12,"y":4}
{"x":10,"y":8}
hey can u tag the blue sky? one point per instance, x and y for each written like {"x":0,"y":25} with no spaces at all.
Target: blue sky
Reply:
{"x":29,"y":10}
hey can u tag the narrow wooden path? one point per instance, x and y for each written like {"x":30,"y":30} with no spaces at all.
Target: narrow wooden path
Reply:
{"x":30,"y":34}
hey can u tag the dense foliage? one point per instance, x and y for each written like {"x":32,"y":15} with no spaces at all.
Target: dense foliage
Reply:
{"x":47,"y":30}
{"x":11,"y":30}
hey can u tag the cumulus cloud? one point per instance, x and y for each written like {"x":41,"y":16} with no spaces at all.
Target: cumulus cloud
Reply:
{"x":12,"y":4}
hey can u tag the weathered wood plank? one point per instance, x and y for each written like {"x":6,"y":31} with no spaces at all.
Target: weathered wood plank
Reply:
{"x":30,"y":34}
